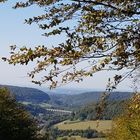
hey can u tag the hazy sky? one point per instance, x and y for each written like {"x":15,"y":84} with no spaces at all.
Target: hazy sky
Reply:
{"x":14,"y":31}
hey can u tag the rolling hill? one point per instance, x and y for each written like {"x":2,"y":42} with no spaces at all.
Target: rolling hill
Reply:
{"x":82,"y":99}
{"x":25,"y":94}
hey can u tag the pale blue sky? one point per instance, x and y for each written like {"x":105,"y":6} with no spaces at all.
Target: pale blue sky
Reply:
{"x":14,"y":31}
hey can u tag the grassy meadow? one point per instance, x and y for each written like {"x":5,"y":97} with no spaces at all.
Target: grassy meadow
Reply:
{"x":79,"y":138}
{"x":102,"y":125}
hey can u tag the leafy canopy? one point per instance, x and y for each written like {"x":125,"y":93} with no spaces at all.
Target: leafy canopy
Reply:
{"x":96,"y":35}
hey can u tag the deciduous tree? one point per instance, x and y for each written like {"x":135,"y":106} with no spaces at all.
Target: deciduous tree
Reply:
{"x":99,"y":35}
{"x":127,"y":125}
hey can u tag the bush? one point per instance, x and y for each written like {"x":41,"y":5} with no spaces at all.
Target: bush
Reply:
{"x":64,"y":138}
{"x":127,"y":126}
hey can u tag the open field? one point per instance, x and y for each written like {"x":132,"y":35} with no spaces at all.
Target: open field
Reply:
{"x":102,"y":125}
{"x":79,"y":138}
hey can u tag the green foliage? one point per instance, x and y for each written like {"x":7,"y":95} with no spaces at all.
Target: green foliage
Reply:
{"x":2,"y":0}
{"x":102,"y":34}
{"x":126,"y":127}
{"x":87,"y":133}
{"x":15,"y":122}
{"x":64,"y":138}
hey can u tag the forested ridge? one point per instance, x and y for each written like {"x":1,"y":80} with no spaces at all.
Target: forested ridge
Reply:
{"x":28,"y":94}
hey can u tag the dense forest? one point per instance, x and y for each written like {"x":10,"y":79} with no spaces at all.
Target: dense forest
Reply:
{"x":28,"y":94}
{"x":88,"y":112}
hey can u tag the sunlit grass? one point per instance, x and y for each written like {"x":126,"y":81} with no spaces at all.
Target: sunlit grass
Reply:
{"x":79,"y":138}
{"x":102,"y":125}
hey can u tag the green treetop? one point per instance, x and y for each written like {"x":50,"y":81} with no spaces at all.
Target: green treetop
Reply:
{"x":15,"y":122}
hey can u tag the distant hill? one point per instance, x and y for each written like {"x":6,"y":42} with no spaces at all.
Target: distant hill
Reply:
{"x":111,"y":110}
{"x":85,"y":98}
{"x":25,"y":94}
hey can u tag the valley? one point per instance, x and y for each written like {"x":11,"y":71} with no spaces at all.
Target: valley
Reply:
{"x":69,"y":116}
